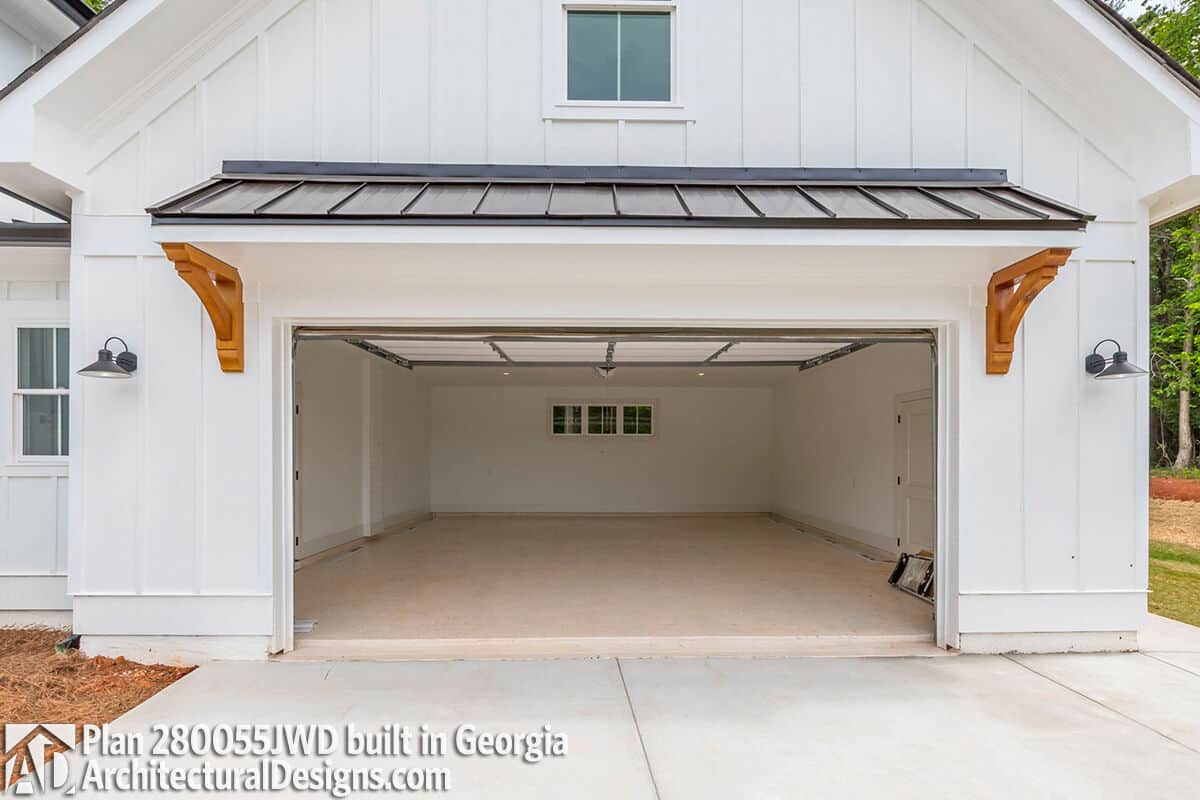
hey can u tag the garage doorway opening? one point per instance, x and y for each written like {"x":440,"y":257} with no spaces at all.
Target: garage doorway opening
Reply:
{"x":556,"y":493}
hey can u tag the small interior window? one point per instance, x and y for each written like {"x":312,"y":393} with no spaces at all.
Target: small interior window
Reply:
{"x":638,"y":420}
{"x":602,"y":420}
{"x":568,"y":420}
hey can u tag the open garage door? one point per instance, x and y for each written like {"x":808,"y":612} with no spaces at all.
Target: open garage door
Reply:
{"x":524,"y":493}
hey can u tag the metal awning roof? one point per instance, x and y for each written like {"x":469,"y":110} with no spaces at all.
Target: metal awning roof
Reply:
{"x":489,"y":194}
{"x":36,"y":234}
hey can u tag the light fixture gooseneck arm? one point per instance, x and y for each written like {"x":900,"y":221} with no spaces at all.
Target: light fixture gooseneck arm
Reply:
{"x":1114,"y":342}
{"x":124,"y":346}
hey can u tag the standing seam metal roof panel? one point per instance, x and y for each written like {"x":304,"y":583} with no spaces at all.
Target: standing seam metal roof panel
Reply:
{"x":646,"y":196}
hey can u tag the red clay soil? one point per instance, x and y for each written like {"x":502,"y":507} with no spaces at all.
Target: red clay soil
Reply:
{"x":1175,"y":489}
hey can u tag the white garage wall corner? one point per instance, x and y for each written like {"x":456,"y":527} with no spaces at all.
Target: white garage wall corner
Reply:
{"x":331,"y":392}
{"x":493,"y":452}
{"x":363,"y":445}
{"x":400,"y":423}
{"x":834,"y":452}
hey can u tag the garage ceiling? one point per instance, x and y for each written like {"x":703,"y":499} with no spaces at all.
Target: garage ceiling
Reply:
{"x":607,"y":351}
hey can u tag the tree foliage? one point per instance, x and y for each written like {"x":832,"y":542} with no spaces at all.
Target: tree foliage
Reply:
{"x":1174,"y":269}
{"x":97,"y":5}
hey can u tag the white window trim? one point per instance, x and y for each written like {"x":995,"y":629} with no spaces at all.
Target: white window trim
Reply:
{"x":556,"y":106}
{"x":618,"y":404}
{"x":18,"y":406}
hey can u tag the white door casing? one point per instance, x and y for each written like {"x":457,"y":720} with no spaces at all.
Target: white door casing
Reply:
{"x":915,"y":506}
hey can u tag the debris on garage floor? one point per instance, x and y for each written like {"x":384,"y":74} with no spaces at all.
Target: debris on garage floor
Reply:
{"x":38,"y":684}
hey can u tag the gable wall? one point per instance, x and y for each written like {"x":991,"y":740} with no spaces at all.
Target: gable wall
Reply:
{"x":1046,"y":507}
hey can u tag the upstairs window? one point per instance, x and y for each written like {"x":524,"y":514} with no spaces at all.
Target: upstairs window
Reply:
{"x":619,"y":56}
{"x":43,"y":380}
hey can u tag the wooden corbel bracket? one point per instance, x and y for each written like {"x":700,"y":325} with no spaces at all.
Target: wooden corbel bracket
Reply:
{"x":219,"y":287}
{"x":1010,"y":293}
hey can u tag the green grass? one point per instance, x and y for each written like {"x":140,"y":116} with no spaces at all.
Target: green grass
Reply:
{"x":1175,"y":582}
{"x":1191,"y":473}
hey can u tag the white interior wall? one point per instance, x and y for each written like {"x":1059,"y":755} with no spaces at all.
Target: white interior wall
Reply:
{"x":363,"y":445}
{"x":834,"y":456}
{"x":492,"y":451}
{"x":400,"y":425}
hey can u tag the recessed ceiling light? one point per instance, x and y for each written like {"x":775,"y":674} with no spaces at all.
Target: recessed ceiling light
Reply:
{"x":701,"y":374}
{"x":508,"y":373}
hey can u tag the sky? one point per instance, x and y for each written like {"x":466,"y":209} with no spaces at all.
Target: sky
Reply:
{"x":1135,"y":7}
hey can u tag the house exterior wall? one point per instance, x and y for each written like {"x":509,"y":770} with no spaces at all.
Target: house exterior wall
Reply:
{"x":1048,"y":521}
{"x":33,"y":496}
{"x":16,"y":52}
{"x":33,"y":492}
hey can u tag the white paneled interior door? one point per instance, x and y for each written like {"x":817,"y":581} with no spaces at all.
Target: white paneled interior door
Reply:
{"x":914,"y":472}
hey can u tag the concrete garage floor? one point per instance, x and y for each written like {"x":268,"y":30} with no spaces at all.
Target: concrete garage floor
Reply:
{"x":1095,"y":726}
{"x":504,"y":586}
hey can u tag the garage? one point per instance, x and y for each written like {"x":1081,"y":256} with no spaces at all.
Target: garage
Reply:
{"x":634,"y":492}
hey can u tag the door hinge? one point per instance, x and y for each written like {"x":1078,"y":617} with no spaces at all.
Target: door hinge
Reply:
{"x":897,"y":480}
{"x":897,"y":418}
{"x":297,"y":475}
{"x":297,"y":410}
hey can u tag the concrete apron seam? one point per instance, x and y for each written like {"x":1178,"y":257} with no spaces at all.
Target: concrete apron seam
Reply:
{"x":1105,"y":706}
{"x":1170,"y":664}
{"x":637,"y":727}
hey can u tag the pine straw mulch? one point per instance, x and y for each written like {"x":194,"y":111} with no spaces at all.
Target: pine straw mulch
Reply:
{"x":1175,"y":522}
{"x":38,"y":685}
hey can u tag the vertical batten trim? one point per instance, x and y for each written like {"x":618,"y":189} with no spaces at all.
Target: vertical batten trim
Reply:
{"x":1141,"y":398}
{"x":1023,"y":503}
{"x":968,"y":89}
{"x":430,"y":76}
{"x":742,"y":80}
{"x":912,"y":112}
{"x":318,"y":80}
{"x":143,"y":519}
{"x":1079,"y":278}
{"x":854,"y":45}
{"x":799,"y":81}
{"x":375,"y":101}
{"x":263,"y":102}
{"x":200,"y":512}
{"x":487,"y":81}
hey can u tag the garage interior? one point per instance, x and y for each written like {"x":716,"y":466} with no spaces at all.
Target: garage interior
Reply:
{"x":568,"y":493}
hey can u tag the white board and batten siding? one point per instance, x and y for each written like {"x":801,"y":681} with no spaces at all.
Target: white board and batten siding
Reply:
{"x":33,"y":491}
{"x":1049,"y":518}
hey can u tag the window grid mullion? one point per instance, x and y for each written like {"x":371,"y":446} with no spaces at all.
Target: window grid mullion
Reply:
{"x":619,"y":26}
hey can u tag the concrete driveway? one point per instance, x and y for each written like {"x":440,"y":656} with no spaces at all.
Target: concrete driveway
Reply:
{"x":1095,"y":726}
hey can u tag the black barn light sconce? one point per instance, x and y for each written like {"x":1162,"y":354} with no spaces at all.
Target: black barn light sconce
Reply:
{"x":1118,"y":366}
{"x":106,"y":366}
